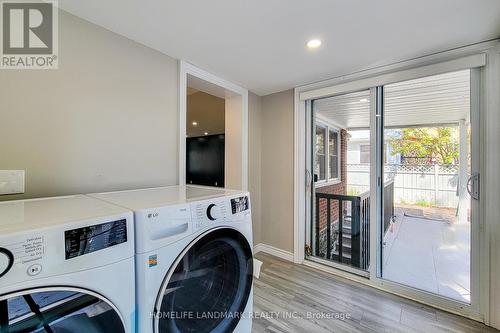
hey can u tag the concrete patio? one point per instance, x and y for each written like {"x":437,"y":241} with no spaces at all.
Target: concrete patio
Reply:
{"x":429,"y":254}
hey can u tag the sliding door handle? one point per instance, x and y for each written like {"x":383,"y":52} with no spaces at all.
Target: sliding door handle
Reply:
{"x":473,"y":186}
{"x":308,"y":179}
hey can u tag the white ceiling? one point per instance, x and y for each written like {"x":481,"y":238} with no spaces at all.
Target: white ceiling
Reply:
{"x":197,"y":84}
{"x":433,"y":100}
{"x":207,"y":111}
{"x":260,"y":44}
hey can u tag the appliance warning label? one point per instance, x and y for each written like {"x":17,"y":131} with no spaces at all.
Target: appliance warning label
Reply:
{"x":153,"y":260}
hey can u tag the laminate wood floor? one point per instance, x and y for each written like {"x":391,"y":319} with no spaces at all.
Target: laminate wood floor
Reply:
{"x":295,"y":298}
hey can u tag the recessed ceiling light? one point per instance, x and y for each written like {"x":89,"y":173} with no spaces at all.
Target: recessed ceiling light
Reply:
{"x":206,"y":133}
{"x":363,"y":100}
{"x":195,"y":123}
{"x":314,"y":43}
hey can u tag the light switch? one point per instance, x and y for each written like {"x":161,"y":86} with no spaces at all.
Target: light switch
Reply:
{"x":11,"y":182}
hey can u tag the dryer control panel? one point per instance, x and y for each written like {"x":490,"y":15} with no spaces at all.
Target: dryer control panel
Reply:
{"x":219,"y":211}
{"x":239,"y":204}
{"x":206,"y":213}
{"x":95,"y":237}
{"x":6,"y":261}
{"x":65,"y":248}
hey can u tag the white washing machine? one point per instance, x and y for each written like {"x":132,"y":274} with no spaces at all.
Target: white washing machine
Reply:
{"x":66,"y":265}
{"x":194,"y":261}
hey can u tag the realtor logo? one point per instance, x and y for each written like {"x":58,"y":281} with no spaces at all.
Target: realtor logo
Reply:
{"x":29,"y":35}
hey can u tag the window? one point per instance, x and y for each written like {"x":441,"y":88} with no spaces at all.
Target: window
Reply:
{"x":327,"y":164}
{"x":320,"y":167}
{"x":333,"y":151}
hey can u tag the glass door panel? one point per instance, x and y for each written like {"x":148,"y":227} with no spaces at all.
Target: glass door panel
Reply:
{"x":211,"y":283}
{"x":426,"y":231}
{"x":338,"y":228}
{"x":57,"y":310}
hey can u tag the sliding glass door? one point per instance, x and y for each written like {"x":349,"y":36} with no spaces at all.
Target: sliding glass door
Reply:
{"x":428,"y":170}
{"x":393,"y":187}
{"x":339,"y":148}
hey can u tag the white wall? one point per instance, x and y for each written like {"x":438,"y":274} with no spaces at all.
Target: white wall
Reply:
{"x":277,"y":170}
{"x":233,"y":143}
{"x":107,"y":119}
{"x":255,"y":162}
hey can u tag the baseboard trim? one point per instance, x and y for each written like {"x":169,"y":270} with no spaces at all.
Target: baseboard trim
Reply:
{"x":285,"y":255}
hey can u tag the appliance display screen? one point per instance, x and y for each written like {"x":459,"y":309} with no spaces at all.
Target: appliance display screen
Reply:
{"x":94,"y":238}
{"x":239,"y":204}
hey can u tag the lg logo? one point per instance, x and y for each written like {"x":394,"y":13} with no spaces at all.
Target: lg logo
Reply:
{"x":152,"y":215}
{"x":29,"y":38}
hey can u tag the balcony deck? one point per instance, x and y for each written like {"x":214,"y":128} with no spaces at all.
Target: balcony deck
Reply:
{"x":426,"y":248}
{"x":429,"y":254}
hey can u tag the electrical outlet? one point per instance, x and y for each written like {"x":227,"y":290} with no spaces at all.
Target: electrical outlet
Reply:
{"x":11,"y":182}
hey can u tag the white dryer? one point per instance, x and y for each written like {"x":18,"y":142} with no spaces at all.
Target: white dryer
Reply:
{"x":194,"y":261}
{"x":66,"y":265}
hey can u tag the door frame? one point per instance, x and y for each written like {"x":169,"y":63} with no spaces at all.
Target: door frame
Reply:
{"x":228,"y":90}
{"x":464,"y":58}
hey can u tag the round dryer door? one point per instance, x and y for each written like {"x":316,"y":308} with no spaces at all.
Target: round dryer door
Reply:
{"x":208,"y":288}
{"x":58,"y":310}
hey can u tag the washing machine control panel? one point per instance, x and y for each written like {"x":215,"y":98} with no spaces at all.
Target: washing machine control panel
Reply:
{"x":209,"y":212}
{"x":217,"y":211}
{"x":94,"y":238}
{"x":240,"y":204}
{"x":66,"y":248}
{"x":212,"y":212}
{"x":22,"y":256}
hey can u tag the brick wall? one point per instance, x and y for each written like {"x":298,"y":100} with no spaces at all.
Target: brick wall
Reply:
{"x":338,"y":188}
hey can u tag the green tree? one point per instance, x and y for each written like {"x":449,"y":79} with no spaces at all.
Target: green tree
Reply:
{"x":439,"y":143}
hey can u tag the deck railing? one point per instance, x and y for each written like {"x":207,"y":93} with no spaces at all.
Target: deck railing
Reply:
{"x":346,"y":237}
{"x":388,"y":204}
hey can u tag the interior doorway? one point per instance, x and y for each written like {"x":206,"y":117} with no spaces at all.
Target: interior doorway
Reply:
{"x":205,"y":138}
{"x":213,"y":130}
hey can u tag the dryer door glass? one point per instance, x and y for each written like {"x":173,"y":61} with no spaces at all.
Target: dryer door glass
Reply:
{"x":209,"y":288}
{"x":51,"y":310}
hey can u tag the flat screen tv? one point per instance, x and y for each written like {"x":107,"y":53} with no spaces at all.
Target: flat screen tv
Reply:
{"x":205,"y":160}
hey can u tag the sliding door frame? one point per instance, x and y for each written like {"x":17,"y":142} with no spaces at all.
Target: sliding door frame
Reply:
{"x":474,"y":307}
{"x":470,"y":58}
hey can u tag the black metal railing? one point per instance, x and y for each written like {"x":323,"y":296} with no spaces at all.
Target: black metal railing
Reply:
{"x":340,"y":234}
{"x":388,"y":204}
{"x":342,"y":226}
{"x":364,"y":221}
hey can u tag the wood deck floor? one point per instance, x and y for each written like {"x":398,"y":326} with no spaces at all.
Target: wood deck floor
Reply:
{"x":295,"y":298}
